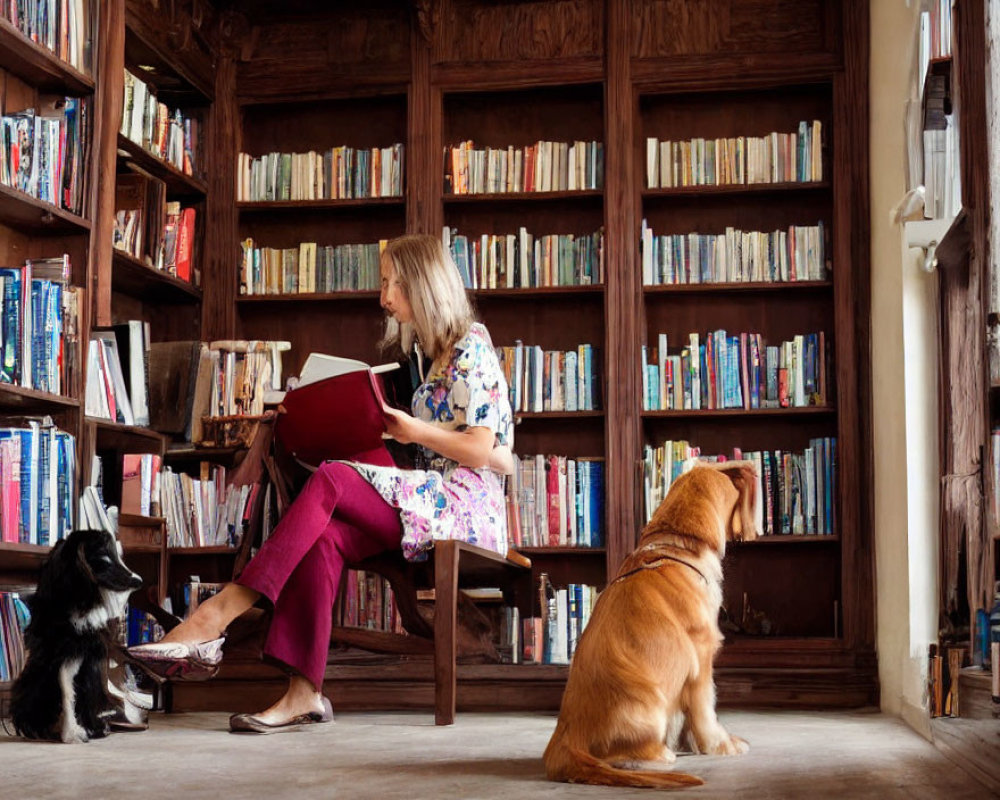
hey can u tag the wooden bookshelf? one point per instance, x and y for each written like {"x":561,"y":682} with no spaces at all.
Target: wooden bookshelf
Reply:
{"x":33,"y":78}
{"x":179,"y":184}
{"x":132,"y":277}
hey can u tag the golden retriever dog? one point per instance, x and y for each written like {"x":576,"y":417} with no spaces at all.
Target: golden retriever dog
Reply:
{"x":641,"y":678}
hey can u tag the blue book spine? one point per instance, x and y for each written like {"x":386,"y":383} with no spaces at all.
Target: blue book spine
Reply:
{"x":10,"y":358}
{"x":64,"y":482}
{"x":596,"y":471}
{"x":29,"y":486}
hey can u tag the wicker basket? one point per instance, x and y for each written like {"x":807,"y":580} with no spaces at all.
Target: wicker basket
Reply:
{"x":233,"y":431}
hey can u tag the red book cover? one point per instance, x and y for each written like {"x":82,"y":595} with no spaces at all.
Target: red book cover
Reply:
{"x":335,"y":418}
{"x":185,"y":244}
{"x":552,"y":498}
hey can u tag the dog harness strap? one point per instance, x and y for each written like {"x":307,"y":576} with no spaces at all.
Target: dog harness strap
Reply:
{"x":659,"y":563}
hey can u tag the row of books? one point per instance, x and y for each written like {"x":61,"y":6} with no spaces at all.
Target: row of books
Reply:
{"x":523,"y":260}
{"x":366,"y":601}
{"x":38,"y":472}
{"x":739,"y":371}
{"x":39,"y":336}
{"x":62,"y":26}
{"x":309,"y":268}
{"x":45,"y":152}
{"x":14,"y":617}
{"x":551,"y":380}
{"x":118,"y":373}
{"x":541,"y":167}
{"x":555,"y":501}
{"x":797,"y":491}
{"x":736,"y":256}
{"x":565,"y":612}
{"x":170,"y":136}
{"x":339,"y":173}
{"x":159,"y":233}
{"x":204,"y":512}
{"x":773,"y":158}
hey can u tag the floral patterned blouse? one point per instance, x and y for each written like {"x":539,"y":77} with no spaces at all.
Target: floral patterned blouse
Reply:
{"x":449,"y":501}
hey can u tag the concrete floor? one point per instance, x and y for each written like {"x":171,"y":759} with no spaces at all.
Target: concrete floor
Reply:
{"x":403,"y":755}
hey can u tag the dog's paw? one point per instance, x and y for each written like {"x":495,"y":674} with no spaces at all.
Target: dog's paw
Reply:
{"x":74,"y":733}
{"x":729,"y":746}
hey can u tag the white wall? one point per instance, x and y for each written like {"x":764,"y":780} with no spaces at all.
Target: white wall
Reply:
{"x":904,"y":365}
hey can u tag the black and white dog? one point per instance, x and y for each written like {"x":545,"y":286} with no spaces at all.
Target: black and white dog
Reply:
{"x":82,"y":586}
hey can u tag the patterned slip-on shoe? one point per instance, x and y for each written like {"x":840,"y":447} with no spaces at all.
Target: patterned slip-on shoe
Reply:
{"x":179,"y":660}
{"x":248,"y":723}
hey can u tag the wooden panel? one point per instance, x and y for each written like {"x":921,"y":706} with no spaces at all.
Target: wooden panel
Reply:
{"x":325,"y":54}
{"x":852,"y":301}
{"x":470,"y":30}
{"x":220,"y":250}
{"x":171,"y":34}
{"x":518,"y":118}
{"x":679,"y":27}
{"x":322,"y":125}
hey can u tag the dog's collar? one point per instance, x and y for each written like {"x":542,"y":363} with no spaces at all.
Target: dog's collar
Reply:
{"x":659,"y":563}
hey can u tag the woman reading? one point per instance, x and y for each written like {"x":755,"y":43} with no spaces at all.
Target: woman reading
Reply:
{"x":347,"y":511}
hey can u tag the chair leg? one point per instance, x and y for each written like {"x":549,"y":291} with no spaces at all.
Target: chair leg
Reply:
{"x":445,"y":623}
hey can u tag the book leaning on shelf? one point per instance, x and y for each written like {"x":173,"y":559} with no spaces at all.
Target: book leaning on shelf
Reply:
{"x":717,"y":371}
{"x":44,"y":152}
{"x":555,"y":501}
{"x":38,"y":469}
{"x":171,"y":136}
{"x":335,"y":412}
{"x":797,"y":491}
{"x":62,"y":26}
{"x":526,"y":261}
{"x":39,"y":335}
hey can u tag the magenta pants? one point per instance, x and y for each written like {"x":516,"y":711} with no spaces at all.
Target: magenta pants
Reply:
{"x":338,"y":517}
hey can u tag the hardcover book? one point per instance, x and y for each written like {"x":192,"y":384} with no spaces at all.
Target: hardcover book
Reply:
{"x":335,"y":412}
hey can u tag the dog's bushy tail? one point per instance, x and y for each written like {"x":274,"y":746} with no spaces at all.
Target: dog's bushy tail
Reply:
{"x":582,"y":767}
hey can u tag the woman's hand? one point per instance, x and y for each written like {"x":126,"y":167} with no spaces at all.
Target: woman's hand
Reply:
{"x":400,"y":426}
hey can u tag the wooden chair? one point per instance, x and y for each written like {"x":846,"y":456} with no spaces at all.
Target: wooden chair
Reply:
{"x":450,"y":566}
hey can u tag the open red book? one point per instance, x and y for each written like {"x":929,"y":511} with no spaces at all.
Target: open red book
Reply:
{"x":335,"y":412}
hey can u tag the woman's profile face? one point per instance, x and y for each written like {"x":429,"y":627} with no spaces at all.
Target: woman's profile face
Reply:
{"x":393,"y":298}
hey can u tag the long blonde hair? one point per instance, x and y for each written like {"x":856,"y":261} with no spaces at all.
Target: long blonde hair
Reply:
{"x":429,"y":278}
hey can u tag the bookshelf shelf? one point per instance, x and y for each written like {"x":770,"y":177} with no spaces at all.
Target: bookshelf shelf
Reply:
{"x":540,"y":292}
{"x":783,"y":539}
{"x":179,"y":184}
{"x":188,"y":452}
{"x":722,"y":288}
{"x":132,"y":277}
{"x":735,"y":189}
{"x":311,"y":297}
{"x":582,"y":195}
{"x":563,"y":551}
{"x":213,"y":550}
{"x":115,"y":436}
{"x":20,"y":562}
{"x":39,"y":66}
{"x":17,"y":398}
{"x":268,"y":206}
{"x":527,"y":416}
{"x":740,"y":412}
{"x":27,"y":213}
